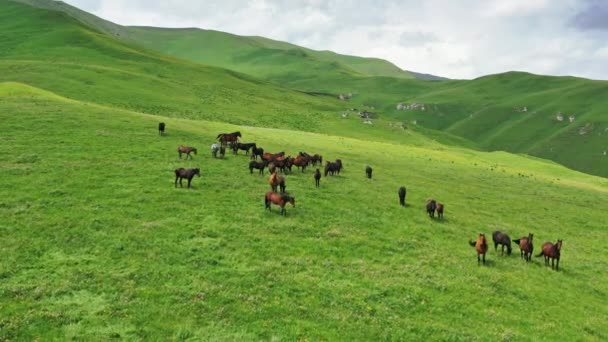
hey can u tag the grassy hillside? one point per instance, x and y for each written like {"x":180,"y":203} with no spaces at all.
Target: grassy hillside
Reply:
{"x":96,"y":243}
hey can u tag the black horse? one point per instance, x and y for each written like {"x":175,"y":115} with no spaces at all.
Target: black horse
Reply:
{"x":258,"y":151}
{"x":503,"y":240}
{"x":245,"y":147}
{"x":161,"y":128}
{"x":182,"y":173}
{"x":317,"y":178}
{"x":333,"y":167}
{"x":257,"y":165}
{"x":402,"y":192}
{"x":431,"y":205}
{"x":368,"y":172}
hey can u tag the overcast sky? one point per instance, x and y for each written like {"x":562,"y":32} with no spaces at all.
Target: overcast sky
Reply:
{"x":456,"y":38}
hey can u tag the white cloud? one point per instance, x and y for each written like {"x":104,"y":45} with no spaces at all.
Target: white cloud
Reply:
{"x":458,"y":39}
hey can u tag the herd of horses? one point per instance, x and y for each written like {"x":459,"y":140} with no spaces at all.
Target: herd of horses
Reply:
{"x":278,"y":162}
{"x":550,"y":251}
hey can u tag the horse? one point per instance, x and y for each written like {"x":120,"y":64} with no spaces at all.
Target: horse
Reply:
{"x":402,"y":192}
{"x":283,"y":163}
{"x":187,"y":150}
{"x":503,"y":240}
{"x":368,"y":171}
{"x":316,"y":159}
{"x":440,"y":207}
{"x":257,"y":165}
{"x":339,"y":164}
{"x":553,"y":252}
{"x":245,"y":147}
{"x":225,"y":138}
{"x":278,"y":199}
{"x":214,"y":149}
{"x":481,"y":246}
{"x":222,"y":151}
{"x":317,"y":178}
{"x":526,"y":247}
{"x":271,"y":167}
{"x":182,"y":173}
{"x":300,"y":162}
{"x":272,"y":156}
{"x":161,"y":128}
{"x":431,"y":206}
{"x":276,"y":180}
{"x":257,"y":152}
{"x":333,"y":167}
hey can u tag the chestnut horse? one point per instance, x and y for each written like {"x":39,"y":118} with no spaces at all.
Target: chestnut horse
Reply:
{"x":526,"y":246}
{"x":276,"y":180}
{"x":187,"y":150}
{"x":300,"y":162}
{"x":440,"y":207}
{"x":553,"y":252}
{"x":182,"y":173}
{"x":503,"y":240}
{"x":272,"y":156}
{"x":481,"y":246}
{"x":278,"y":199}
{"x":225,"y":138}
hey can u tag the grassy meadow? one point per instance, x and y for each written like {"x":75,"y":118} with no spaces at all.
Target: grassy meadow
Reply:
{"x":98,"y":244}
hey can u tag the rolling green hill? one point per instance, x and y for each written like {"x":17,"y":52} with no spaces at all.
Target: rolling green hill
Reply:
{"x":96,"y":243}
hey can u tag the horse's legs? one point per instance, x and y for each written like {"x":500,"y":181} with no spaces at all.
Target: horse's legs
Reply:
{"x":180,"y":154}
{"x":484,"y":258}
{"x":176,"y":177}
{"x":557,"y":264}
{"x":189,"y":180}
{"x":180,"y":182}
{"x":478,"y":259}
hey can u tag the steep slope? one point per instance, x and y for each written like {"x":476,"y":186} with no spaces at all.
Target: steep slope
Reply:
{"x":137,"y":259}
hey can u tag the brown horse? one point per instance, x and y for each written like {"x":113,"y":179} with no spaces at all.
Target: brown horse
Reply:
{"x":526,"y":247}
{"x":440,"y":207}
{"x":553,"y":252}
{"x":182,"y":173}
{"x":481,"y":246}
{"x":316,"y":159}
{"x":276,"y":180}
{"x":278,"y":199}
{"x":225,"y":138}
{"x":272,"y":156}
{"x":503,"y":240}
{"x":431,"y":206}
{"x":300,"y":162}
{"x":187,"y":150}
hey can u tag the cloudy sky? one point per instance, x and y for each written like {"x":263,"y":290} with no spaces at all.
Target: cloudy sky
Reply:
{"x":451,"y":38}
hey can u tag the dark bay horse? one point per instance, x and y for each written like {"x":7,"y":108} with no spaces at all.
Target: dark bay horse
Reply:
{"x":481,"y":247}
{"x":225,"y":138}
{"x":260,"y":165}
{"x":503,"y":240}
{"x":440,"y":208}
{"x":278,"y":199}
{"x":161,"y":128}
{"x":257,"y":152}
{"x":245,"y":147}
{"x":431,"y":206}
{"x":526,"y":246}
{"x":300,"y":162}
{"x":187,"y":150}
{"x":553,"y":252}
{"x":368,"y":171}
{"x":333,"y":167}
{"x":316,"y":159}
{"x":276,"y":180}
{"x":402,"y":191}
{"x":317,"y":178}
{"x":182,"y":173}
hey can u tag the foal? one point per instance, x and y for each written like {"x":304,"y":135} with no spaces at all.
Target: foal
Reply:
{"x":317,"y":178}
{"x":187,"y":150}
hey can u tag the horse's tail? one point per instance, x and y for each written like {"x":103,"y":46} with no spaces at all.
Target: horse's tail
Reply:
{"x":516,"y":241}
{"x":472,"y":243}
{"x":266,"y":202}
{"x":219,"y":135}
{"x":540,"y":254}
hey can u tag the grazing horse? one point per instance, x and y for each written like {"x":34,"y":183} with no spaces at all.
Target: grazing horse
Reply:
{"x":283,"y":163}
{"x":182,"y":173}
{"x":161,"y":128}
{"x":187,"y":150}
{"x":278,"y":199}
{"x":300,"y":162}
{"x":368,"y":171}
{"x":402,"y":192}
{"x":222,"y":151}
{"x":276,"y":180}
{"x":333,"y":167}
{"x":245,"y":147}
{"x":440,"y":207}
{"x":271,"y":167}
{"x":257,"y":165}
{"x":503,"y":240}
{"x":272,"y":156}
{"x":316,"y":159}
{"x":317,"y":178}
{"x":431,"y":206}
{"x":553,"y":252}
{"x":214,"y":149}
{"x":225,"y":138}
{"x":526,"y":247}
{"x":257,"y":152}
{"x":481,"y":246}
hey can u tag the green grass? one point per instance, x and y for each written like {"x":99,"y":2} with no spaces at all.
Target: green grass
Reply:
{"x":97,"y":243}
